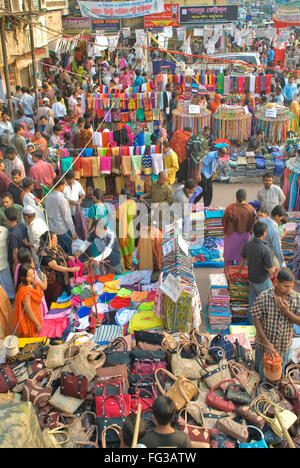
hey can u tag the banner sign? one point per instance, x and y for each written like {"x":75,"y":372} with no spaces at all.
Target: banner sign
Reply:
{"x":75,"y":25}
{"x":169,"y":17}
{"x":208,"y":14}
{"x":106,"y":25}
{"x":130,"y":9}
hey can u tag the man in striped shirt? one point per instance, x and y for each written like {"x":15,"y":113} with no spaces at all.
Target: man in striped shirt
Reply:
{"x":275,"y":311}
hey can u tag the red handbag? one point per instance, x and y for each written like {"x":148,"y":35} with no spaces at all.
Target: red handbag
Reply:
{"x":75,"y":386}
{"x":217,"y":402}
{"x":147,"y":366}
{"x":7,"y":379}
{"x":113,"y":406}
{"x":144,"y":396}
{"x":198,"y":435}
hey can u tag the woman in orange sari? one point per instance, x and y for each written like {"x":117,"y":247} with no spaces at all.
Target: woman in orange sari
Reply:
{"x":86,"y":135}
{"x":28,"y":299}
{"x":39,"y":142}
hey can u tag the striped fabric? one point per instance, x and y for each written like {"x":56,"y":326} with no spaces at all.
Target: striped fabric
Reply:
{"x":106,"y":333}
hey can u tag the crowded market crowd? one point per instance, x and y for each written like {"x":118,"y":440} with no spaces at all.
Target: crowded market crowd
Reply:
{"x":82,"y":272}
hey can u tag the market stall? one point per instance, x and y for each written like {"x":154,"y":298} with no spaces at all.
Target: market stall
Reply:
{"x":276,"y":121}
{"x":232,"y":122}
{"x":191,"y":116}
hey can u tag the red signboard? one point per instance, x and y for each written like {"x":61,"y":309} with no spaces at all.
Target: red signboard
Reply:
{"x":170,"y":17}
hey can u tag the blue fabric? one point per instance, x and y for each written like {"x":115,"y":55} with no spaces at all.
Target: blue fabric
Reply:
{"x":260,"y":163}
{"x":273,"y":239}
{"x":88,"y":152}
{"x":65,"y":242}
{"x":83,"y":312}
{"x":106,"y":297}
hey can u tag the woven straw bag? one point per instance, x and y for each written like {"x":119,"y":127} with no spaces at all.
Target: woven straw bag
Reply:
{"x":59,"y":355}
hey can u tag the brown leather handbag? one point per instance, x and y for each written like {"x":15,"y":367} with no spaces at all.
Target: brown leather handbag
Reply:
{"x":72,"y":385}
{"x":229,"y":427}
{"x":248,"y":413}
{"x":35,"y":392}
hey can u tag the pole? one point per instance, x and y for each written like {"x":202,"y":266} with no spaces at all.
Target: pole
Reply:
{"x":5,"y":64}
{"x":36,"y":102}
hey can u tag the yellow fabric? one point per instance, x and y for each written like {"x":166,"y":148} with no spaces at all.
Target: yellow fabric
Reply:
{"x":144,"y":321}
{"x":61,"y":305}
{"x":24,"y":341}
{"x":111,"y":286}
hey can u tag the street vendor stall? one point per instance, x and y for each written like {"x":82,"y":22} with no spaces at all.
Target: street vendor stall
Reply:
{"x":232,"y":122}
{"x":276,"y":121}
{"x":192,"y":116}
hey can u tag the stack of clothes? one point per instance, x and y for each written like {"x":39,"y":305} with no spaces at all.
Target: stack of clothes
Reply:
{"x":219,"y":314}
{"x":241,"y":170}
{"x":238,"y":290}
{"x":197,"y":224}
{"x":213,"y":223}
{"x":251,"y":164}
{"x":288,"y":242}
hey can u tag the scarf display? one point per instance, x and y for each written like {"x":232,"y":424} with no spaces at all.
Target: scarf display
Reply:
{"x":183,"y":119}
{"x":275,"y":129}
{"x":231,"y":122}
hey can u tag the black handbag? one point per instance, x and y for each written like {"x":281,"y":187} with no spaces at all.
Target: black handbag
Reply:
{"x":237,"y":394}
{"x":112,"y":438}
{"x":137,"y":354}
{"x":114,"y":357}
{"x":148,"y":337}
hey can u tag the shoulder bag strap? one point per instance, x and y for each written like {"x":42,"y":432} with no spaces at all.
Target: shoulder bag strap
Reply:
{"x":157,"y":381}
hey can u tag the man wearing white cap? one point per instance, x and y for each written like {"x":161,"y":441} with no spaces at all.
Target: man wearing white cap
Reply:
{"x":36,"y":227}
{"x":44,"y":110}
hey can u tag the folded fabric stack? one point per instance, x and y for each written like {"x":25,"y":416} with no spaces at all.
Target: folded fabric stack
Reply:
{"x":213,"y":223}
{"x":197,"y":224}
{"x":219,"y":314}
{"x":242,"y":166}
{"x":238,"y":290}
{"x":288,"y":243}
{"x":251,"y":164}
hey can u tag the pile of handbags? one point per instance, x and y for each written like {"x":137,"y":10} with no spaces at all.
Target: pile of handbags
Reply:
{"x":82,"y":393}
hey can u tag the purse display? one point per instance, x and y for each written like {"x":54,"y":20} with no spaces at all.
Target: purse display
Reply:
{"x":59,"y":355}
{"x":64,"y":403}
{"x":288,"y":417}
{"x":107,"y":434}
{"x":39,"y":394}
{"x":182,"y":391}
{"x":187,"y":367}
{"x":73,"y":385}
{"x":115,"y":357}
{"x":87,"y":362}
{"x":32,"y":351}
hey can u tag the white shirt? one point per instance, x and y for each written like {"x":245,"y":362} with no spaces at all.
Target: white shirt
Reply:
{"x":6,"y":126}
{"x":29,"y":200}
{"x":59,"y":110}
{"x":72,"y":103}
{"x":35,"y":229}
{"x":3,"y":248}
{"x":270,"y":198}
{"x":73,"y":194}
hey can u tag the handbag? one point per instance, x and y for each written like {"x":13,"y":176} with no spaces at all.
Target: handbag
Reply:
{"x":105,"y":373}
{"x":187,"y":367}
{"x":237,"y":394}
{"x":201,"y":341}
{"x":112,"y":405}
{"x":32,"y":351}
{"x":214,"y":374}
{"x":58,"y":355}
{"x":182,"y":391}
{"x":290,"y":386}
{"x":73,"y":385}
{"x":257,"y":444}
{"x":65,"y":403}
{"x":82,"y":431}
{"x":148,"y":116}
{"x":21,"y":373}
{"x":34,"y":391}
{"x":87,"y":362}
{"x":147,"y":383}
{"x":288,"y":417}
{"x":148,"y":337}
{"x":48,"y":417}
{"x":247,"y":378}
{"x":104,"y":422}
{"x":7,"y":378}
{"x":251,"y":416}
{"x":218,"y":402}
{"x":229,"y":427}
{"x":114,"y":357}
{"x":198,"y":435}
{"x":273,"y":394}
{"x":221,"y":441}
{"x":168,"y":343}
{"x":221,"y":341}
{"x":113,"y":428}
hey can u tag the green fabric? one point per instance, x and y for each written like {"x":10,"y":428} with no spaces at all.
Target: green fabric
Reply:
{"x":136,"y":164}
{"x":123,"y":292}
{"x":127,"y":245}
{"x":146,"y":306}
{"x":221,"y":83}
{"x":3,"y":220}
{"x":66,"y":163}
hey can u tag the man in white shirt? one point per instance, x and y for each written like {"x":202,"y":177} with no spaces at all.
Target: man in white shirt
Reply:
{"x":59,"y":109}
{"x":14,"y":162}
{"x":270,"y":195}
{"x":73,"y":191}
{"x":26,"y":103}
{"x":72,"y":101}
{"x":36,"y":227}
{"x":6,"y":125}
